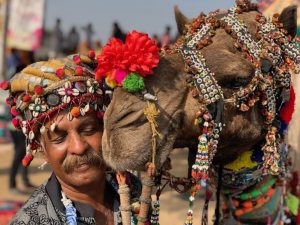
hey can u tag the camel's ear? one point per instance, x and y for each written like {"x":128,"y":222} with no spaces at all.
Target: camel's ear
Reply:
{"x":288,"y":18}
{"x":181,"y":20}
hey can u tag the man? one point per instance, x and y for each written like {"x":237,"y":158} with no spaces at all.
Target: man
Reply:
{"x":59,"y":106}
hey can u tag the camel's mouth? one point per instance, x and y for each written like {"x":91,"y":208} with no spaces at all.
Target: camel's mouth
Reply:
{"x":233,"y":150}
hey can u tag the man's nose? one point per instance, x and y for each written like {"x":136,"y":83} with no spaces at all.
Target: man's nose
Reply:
{"x":77,"y":144}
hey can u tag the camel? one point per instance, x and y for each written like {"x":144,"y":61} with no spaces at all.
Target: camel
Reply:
{"x":126,"y":142}
{"x":127,"y":135}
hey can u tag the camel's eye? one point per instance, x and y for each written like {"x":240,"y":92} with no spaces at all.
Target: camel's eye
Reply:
{"x":239,"y":82}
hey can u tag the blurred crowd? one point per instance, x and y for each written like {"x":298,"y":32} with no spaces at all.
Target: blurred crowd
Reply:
{"x":58,"y":43}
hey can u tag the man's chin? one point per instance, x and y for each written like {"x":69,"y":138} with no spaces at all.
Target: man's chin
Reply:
{"x":85,"y":174}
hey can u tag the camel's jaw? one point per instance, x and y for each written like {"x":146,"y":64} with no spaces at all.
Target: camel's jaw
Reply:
{"x":130,"y":147}
{"x":242,"y":131}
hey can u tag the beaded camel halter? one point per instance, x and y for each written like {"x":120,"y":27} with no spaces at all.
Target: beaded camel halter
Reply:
{"x":274,"y":55}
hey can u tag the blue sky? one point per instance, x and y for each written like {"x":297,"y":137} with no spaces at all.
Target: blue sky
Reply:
{"x":150,"y":16}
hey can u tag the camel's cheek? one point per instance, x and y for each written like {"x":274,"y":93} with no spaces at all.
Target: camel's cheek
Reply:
{"x":242,"y":131}
{"x":125,"y":149}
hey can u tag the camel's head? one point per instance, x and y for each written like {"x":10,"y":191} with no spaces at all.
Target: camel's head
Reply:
{"x":127,"y":136}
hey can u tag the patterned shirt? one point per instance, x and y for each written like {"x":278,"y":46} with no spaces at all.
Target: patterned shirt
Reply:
{"x":45,"y":207}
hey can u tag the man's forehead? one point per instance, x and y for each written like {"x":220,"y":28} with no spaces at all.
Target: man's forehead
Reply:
{"x":62,"y":120}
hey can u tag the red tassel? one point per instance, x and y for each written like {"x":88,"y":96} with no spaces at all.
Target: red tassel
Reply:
{"x":4,"y":85}
{"x":91,"y":54}
{"x":26,"y":98}
{"x":77,"y":59}
{"x":100,"y":114}
{"x":287,"y":110}
{"x":10,"y":100}
{"x":16,"y":123}
{"x":14,"y":111}
{"x":38,"y":90}
{"x":60,"y":72}
{"x":78,"y":71}
{"x":298,"y":216}
{"x":27,"y":160}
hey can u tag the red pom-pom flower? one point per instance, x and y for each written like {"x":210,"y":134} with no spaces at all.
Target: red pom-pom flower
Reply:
{"x":139,"y":54}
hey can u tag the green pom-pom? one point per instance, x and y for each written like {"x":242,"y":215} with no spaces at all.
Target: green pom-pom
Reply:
{"x":134,"y":83}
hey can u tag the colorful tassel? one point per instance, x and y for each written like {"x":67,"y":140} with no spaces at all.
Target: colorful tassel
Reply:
{"x":60,"y":72}
{"x":75,"y":111}
{"x":26,"y":98}
{"x":15,"y":122}
{"x":27,"y":160}
{"x":38,"y":90}
{"x":14,"y":111}
{"x":78,"y":71}
{"x":91,"y":54}
{"x":4,"y":85}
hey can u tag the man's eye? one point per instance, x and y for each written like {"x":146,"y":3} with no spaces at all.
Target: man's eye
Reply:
{"x":89,"y":131}
{"x":58,"y":140}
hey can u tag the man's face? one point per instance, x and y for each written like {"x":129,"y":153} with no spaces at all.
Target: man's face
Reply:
{"x":73,"y":150}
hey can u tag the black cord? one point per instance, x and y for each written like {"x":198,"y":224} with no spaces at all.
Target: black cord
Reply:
{"x":217,"y":210}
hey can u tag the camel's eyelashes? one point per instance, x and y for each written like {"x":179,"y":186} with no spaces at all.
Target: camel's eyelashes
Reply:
{"x":239,"y":82}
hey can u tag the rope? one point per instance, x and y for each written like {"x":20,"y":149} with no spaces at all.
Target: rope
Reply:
{"x":151,"y":114}
{"x":145,"y":198}
{"x":217,"y":210}
{"x":124,"y":192}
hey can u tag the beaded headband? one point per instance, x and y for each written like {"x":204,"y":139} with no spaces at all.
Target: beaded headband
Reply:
{"x":44,"y":89}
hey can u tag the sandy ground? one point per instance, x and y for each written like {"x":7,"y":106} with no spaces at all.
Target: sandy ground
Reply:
{"x":173,"y":205}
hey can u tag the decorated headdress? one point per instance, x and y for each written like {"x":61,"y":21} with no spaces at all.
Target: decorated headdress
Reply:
{"x":43,"y":89}
{"x":126,"y":64}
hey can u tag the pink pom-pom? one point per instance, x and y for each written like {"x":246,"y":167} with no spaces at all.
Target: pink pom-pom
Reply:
{"x":120,"y":76}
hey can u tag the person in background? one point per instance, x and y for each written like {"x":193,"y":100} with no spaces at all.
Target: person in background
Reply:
{"x":72,"y":41}
{"x":57,"y":38}
{"x":166,"y":37}
{"x":117,"y":32}
{"x":98,"y":47}
{"x":17,"y":61}
{"x":89,"y":32}
{"x":156,"y":39}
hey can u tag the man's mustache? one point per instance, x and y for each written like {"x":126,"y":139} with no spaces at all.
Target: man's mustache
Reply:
{"x":91,"y":158}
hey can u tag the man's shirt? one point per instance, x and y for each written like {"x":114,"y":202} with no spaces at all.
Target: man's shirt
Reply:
{"x":45,"y":207}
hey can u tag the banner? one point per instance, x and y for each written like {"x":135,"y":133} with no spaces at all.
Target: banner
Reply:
{"x":270,"y":7}
{"x":3,"y":19}
{"x":25,"y":24}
